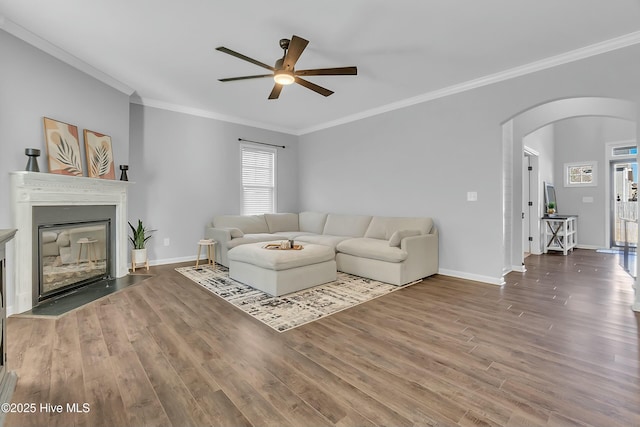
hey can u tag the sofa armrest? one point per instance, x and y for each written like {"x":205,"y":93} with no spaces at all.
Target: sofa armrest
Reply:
{"x":422,"y":252}
{"x":220,"y":235}
{"x":223,"y":237}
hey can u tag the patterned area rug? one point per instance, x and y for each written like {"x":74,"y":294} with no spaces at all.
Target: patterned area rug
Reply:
{"x":292,"y":310}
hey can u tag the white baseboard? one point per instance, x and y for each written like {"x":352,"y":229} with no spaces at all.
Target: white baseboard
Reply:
{"x":592,"y":247}
{"x":519,"y":268}
{"x":166,"y":261}
{"x":499,"y":281}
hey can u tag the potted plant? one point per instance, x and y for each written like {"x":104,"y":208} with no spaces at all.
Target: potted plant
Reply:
{"x":551,"y":208}
{"x":139,"y":236}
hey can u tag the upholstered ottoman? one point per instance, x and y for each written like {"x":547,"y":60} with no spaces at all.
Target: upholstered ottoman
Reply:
{"x":278,"y":272}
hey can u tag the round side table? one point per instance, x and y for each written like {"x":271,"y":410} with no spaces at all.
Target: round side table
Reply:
{"x":211,"y":251}
{"x":90,"y":251}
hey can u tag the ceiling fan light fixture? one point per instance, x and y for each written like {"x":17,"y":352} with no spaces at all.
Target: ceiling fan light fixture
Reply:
{"x":283,"y":72}
{"x":283,"y":77}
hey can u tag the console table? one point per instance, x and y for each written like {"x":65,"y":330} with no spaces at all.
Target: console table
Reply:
{"x":560,"y":232}
{"x":7,"y":379}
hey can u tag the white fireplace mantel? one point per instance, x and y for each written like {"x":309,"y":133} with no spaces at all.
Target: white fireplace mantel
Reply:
{"x":29,"y":189}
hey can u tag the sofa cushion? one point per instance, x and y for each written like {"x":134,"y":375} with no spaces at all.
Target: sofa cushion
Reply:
{"x":50,"y":249}
{"x":282,"y":222}
{"x":293,"y":234}
{"x":249,"y":224}
{"x":346,"y":225}
{"x":423,"y":224}
{"x":65,"y":255}
{"x":252,"y":238}
{"x":322,"y":239}
{"x":365,"y":247}
{"x":397,"y":237}
{"x":234,"y":232}
{"x":63,"y":239}
{"x":382,"y":227}
{"x":312,"y":222}
{"x":49,"y":236}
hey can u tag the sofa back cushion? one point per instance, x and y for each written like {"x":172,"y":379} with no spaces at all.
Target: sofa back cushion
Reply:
{"x":282,"y":222}
{"x":383,"y":227}
{"x":397,"y":237}
{"x":249,"y":224}
{"x":346,"y":225}
{"x":312,"y":222}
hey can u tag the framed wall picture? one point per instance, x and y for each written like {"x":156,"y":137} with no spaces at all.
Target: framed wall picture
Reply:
{"x":99,"y":155}
{"x":63,"y":147}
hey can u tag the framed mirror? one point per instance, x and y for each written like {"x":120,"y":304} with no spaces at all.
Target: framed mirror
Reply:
{"x":550,"y":196}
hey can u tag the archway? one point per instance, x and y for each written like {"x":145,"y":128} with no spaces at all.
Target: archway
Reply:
{"x":524,"y":123}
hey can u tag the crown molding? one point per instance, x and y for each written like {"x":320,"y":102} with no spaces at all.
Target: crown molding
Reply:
{"x":148,"y":102}
{"x":25,"y":35}
{"x":543,"y":64}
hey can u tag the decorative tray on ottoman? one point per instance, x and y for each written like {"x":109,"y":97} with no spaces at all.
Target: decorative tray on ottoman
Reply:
{"x":277,"y":246}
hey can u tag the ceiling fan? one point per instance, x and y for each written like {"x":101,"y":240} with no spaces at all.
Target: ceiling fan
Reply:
{"x":283,"y":73}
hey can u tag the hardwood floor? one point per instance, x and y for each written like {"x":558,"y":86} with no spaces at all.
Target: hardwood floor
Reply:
{"x":556,"y":346}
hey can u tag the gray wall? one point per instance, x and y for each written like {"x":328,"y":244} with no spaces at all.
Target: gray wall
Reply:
{"x":543,"y":142}
{"x":423,"y":159}
{"x":418,"y":161}
{"x":186,"y":169}
{"x":33,"y":84}
{"x":584,"y":139}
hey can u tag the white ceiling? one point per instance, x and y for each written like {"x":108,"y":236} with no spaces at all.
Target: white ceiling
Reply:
{"x":164,"y":50}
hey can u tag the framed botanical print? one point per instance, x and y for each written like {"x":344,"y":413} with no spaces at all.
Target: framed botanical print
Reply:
{"x":63,"y":147}
{"x":99,"y":155}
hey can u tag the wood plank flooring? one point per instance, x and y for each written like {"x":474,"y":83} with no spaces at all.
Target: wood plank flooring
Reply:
{"x":556,"y":346}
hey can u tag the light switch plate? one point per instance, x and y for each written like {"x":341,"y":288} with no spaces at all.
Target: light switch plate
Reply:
{"x":472,"y":196}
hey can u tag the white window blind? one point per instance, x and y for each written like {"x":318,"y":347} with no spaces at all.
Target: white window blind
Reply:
{"x":258,"y":180}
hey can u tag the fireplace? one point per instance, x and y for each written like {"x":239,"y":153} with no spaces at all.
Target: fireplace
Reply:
{"x":73,"y":248}
{"x":44,"y":202}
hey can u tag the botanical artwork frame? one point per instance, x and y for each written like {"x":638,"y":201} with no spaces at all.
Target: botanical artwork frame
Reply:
{"x":63,"y":147}
{"x":581,"y":174}
{"x":99,"y":155}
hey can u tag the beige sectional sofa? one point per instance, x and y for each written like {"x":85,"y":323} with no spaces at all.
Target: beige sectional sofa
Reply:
{"x":394,"y":250}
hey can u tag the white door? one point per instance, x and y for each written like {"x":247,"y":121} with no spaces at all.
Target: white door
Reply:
{"x":526,"y":204}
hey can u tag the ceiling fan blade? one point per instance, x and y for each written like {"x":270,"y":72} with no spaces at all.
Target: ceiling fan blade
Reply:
{"x":230,"y":79}
{"x":275,"y":92}
{"x":341,"y":71}
{"x":296,"y":47}
{"x":243,"y":57}
{"x":314,"y":87}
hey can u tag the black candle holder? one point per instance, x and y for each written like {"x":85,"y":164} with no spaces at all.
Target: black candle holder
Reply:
{"x":32,"y":163}
{"x":123,"y":173}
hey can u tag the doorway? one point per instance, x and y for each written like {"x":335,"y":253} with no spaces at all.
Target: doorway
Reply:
{"x":513,"y":132}
{"x":624,"y":203}
{"x":530,"y":203}
{"x":526,"y":205}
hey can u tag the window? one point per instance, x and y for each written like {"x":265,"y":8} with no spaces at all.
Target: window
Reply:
{"x":582,"y":174}
{"x":258,"y":180}
{"x":625,"y":150}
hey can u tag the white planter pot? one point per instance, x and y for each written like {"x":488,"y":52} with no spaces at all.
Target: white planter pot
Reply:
{"x":139,"y":256}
